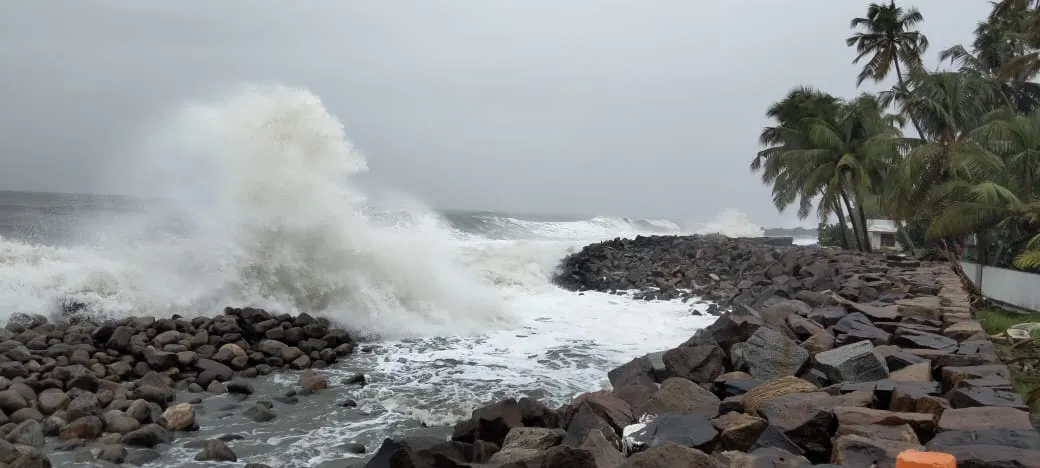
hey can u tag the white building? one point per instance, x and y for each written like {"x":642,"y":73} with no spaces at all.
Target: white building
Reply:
{"x":882,"y":234}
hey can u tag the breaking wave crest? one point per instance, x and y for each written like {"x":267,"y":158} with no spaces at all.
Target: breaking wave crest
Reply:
{"x":250,"y":200}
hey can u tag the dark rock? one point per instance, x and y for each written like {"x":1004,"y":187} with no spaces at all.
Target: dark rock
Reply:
{"x":854,"y":450}
{"x":770,"y":354}
{"x":239,"y":387}
{"x":984,"y":418}
{"x":922,"y":340}
{"x":689,"y":429}
{"x":259,"y":413}
{"x":857,"y":327}
{"x":828,"y":316}
{"x":615,"y":411}
{"x":216,"y":450}
{"x":701,"y":363}
{"x":586,"y":419}
{"x":681,"y":395}
{"x":967,"y":397}
{"x":356,"y":379}
{"x":854,"y":362}
{"x":805,"y":418}
{"x":738,"y":431}
{"x":670,"y":455}
{"x":147,"y":436}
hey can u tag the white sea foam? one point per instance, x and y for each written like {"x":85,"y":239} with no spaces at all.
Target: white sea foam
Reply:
{"x":259,"y":188}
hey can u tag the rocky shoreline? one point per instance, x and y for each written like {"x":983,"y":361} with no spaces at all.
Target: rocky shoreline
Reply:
{"x":823,"y":358}
{"x":106,"y":390}
{"x":820,"y":357}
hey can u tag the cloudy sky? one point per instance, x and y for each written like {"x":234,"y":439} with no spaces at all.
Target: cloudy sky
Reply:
{"x":647,"y":107}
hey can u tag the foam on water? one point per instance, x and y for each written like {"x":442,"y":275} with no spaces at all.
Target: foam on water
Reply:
{"x":259,"y":189}
{"x":274,"y":221}
{"x":564,"y":346}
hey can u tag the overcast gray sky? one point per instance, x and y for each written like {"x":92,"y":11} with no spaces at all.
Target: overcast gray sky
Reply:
{"x":638,"y":107}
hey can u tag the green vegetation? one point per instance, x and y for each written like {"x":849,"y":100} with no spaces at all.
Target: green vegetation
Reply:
{"x":968,"y":164}
{"x":1023,"y":358}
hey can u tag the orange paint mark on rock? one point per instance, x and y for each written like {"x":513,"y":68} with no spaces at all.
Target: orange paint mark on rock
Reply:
{"x":918,"y":459}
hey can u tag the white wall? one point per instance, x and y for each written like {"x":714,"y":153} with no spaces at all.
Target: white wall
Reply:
{"x":1012,"y":287}
{"x":875,"y":241}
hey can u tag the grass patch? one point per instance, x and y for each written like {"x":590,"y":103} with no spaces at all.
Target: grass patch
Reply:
{"x":996,"y":319}
{"x":1022,"y":357}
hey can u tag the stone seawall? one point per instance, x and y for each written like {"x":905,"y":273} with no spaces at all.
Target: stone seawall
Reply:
{"x":826,"y":358}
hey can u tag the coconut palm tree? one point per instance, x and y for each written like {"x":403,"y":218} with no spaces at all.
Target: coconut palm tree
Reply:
{"x":789,"y":184}
{"x":889,"y":39}
{"x":829,"y":152}
{"x":1001,"y":52}
{"x":848,"y":154}
{"x":947,"y":107}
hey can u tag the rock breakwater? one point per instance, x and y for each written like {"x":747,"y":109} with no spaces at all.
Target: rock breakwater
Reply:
{"x":826,"y":358}
{"x":107,"y":389}
{"x":723,"y":270}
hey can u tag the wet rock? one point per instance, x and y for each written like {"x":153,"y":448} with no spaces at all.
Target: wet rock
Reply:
{"x":701,"y":363}
{"x":113,"y":453}
{"x":141,"y":457}
{"x":670,"y":455}
{"x":586,"y":419}
{"x":734,"y":383}
{"x":535,"y":414}
{"x":87,"y":427}
{"x":857,"y":327}
{"x":615,"y":411}
{"x":312,"y":382}
{"x":147,"y":436}
{"x":120,"y":423}
{"x":805,"y":418}
{"x":738,"y":431}
{"x":27,"y":433}
{"x":180,"y":417}
{"x":603,"y":451}
{"x":689,"y":429}
{"x":769,"y":354}
{"x":922,"y":340}
{"x":239,"y":387}
{"x":533,"y":438}
{"x":681,"y":395}
{"x":854,"y":362}
{"x":493,"y":422}
{"x":216,"y":450}
{"x":356,"y":379}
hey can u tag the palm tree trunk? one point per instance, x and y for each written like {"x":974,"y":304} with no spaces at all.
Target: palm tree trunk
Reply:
{"x":843,"y":226}
{"x":902,"y":86}
{"x":863,"y":223}
{"x":906,"y":236}
{"x":863,"y":236}
{"x":852,"y":220}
